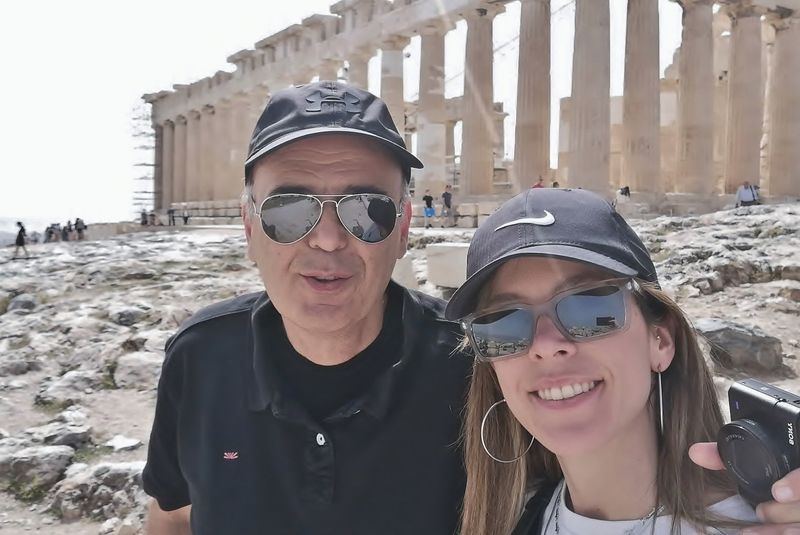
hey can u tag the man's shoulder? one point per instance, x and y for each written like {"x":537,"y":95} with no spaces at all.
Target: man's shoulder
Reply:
{"x":218,"y":315}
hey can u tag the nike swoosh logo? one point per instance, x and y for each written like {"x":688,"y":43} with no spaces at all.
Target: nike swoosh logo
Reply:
{"x":548,"y":219}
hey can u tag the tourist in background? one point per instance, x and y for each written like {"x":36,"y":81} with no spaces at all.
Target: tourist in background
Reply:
{"x":747,"y":195}
{"x":539,"y":183}
{"x":171,"y":216}
{"x":80,"y":228}
{"x":447,"y":207}
{"x":428,"y":210}
{"x":20,"y":241}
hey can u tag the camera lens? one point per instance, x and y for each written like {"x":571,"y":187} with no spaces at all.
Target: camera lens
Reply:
{"x":755,"y":458}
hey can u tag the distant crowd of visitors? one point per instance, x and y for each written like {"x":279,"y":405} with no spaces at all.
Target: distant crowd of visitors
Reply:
{"x":53,"y":233}
{"x":151,"y":219}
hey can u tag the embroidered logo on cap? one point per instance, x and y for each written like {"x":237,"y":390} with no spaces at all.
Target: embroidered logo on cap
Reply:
{"x":317,"y":100}
{"x":230,"y":455}
{"x":544,"y":221}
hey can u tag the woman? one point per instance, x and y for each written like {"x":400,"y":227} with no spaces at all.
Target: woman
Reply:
{"x":20,"y":242}
{"x":588,"y":386}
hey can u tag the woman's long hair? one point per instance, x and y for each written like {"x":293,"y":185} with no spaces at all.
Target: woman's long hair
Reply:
{"x":495,"y":492}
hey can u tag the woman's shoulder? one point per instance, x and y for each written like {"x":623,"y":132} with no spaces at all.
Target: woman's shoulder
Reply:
{"x":735,"y":508}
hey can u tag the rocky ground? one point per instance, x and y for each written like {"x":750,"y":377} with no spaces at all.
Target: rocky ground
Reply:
{"x":83,"y":326}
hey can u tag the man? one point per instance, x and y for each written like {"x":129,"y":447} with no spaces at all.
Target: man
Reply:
{"x":332,"y":405}
{"x":447,"y":206}
{"x":747,"y":195}
{"x":428,"y":210}
{"x":171,"y":216}
{"x":539,"y":183}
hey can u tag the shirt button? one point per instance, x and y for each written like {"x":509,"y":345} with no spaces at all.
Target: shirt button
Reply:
{"x":320,"y":439}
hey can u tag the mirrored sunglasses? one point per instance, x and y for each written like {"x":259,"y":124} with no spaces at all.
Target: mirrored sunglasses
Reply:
{"x":289,"y":217}
{"x":582,"y":313}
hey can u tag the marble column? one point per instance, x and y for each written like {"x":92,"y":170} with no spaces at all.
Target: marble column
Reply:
{"x":641,"y":114}
{"x":193,"y":141}
{"x":768,"y":65}
{"x":590,"y":119}
{"x":784,"y":154}
{"x":745,"y":99}
{"x":532,"y":135}
{"x":358,"y":68}
{"x":478,"y":133}
{"x":179,"y":189}
{"x":167,"y":164}
{"x":431,"y":114}
{"x":220,"y":151}
{"x":158,"y":167}
{"x":329,"y":69}
{"x":207,"y":170}
{"x":240,"y":133}
{"x":695,"y":151}
{"x":392,"y":79}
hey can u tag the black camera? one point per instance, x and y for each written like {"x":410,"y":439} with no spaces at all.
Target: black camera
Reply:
{"x":760,"y":445}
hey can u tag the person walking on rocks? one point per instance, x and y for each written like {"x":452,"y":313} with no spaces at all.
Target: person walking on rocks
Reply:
{"x":447,"y":206}
{"x":185,"y":215}
{"x":331,"y":405}
{"x":20,"y":242}
{"x":171,"y":216}
{"x":428,"y":210}
{"x":80,"y":228}
{"x":747,"y":195}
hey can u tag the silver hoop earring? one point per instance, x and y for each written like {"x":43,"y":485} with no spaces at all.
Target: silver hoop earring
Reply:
{"x":660,"y":401}
{"x":483,"y":439}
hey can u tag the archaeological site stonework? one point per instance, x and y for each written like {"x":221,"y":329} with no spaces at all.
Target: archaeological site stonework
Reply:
{"x":727,"y":109}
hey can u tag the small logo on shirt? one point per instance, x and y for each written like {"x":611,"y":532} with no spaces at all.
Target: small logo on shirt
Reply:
{"x":230,"y":455}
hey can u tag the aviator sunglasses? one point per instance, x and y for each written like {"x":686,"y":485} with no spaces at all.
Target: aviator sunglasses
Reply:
{"x":581,"y":313}
{"x":289,"y":217}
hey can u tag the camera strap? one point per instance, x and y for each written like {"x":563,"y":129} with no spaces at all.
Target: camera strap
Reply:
{"x":530,"y":523}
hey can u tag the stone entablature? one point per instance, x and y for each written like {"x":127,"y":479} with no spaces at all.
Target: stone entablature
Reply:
{"x":729,"y":114}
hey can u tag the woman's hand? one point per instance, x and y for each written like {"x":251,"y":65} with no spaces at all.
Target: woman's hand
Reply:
{"x":782,"y":515}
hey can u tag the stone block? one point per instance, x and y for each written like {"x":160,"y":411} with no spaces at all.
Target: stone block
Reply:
{"x":467,"y":209}
{"x":467,"y":221}
{"x":447,"y":263}
{"x":403,"y":273}
{"x":487,"y":207}
{"x":417,"y":221}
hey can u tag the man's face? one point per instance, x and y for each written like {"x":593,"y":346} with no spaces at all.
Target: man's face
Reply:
{"x":329,"y":280}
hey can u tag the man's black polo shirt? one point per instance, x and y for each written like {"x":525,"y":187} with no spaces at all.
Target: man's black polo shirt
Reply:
{"x":229,"y":440}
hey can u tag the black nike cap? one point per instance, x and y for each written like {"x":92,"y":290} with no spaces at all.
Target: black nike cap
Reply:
{"x":321,"y":108}
{"x":570,"y":224}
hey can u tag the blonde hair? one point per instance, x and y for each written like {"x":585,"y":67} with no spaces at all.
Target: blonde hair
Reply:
{"x":495,"y":493}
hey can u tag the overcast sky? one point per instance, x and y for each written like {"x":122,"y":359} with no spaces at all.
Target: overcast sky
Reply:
{"x":74,"y":71}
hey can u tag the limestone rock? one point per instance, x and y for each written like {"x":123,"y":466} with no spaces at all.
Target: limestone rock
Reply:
{"x":23,"y":302}
{"x":102,"y":491}
{"x":69,"y":388}
{"x":60,"y":434}
{"x":122,"y":443}
{"x":138,"y":370}
{"x":37,"y":467}
{"x":736,"y":346}
{"x":127,"y":316}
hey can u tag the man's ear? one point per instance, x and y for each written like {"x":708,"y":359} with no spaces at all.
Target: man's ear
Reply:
{"x":405,"y":224}
{"x":248,"y":229}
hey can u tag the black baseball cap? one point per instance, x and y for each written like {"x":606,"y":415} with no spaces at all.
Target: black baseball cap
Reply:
{"x":321,"y":108}
{"x":571,"y":224}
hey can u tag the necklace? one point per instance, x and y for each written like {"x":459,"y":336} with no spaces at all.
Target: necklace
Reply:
{"x":635,"y":530}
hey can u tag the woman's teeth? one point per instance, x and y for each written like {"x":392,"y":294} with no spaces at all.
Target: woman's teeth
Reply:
{"x":565,"y":392}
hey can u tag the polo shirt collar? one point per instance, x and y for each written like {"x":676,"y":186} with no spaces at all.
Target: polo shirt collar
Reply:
{"x":263,"y":388}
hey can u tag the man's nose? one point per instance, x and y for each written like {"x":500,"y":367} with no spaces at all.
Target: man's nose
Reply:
{"x":328,"y":234}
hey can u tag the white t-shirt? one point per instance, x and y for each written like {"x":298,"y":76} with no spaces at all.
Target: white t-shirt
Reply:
{"x":570,"y":523}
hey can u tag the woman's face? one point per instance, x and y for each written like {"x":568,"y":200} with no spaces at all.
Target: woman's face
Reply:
{"x":616,"y":368}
